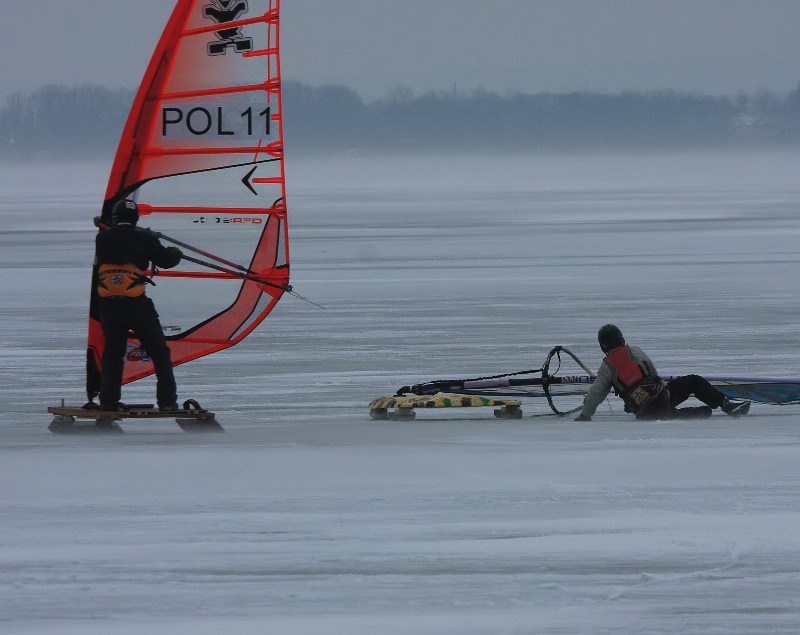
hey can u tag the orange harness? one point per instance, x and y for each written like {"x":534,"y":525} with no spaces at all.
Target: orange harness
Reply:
{"x":120,"y":281}
{"x":637,"y":387}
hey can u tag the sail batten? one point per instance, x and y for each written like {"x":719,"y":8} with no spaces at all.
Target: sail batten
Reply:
{"x":255,"y":211}
{"x":202,"y":154}
{"x":262,"y":52}
{"x":273,"y":151}
{"x":227,"y":90}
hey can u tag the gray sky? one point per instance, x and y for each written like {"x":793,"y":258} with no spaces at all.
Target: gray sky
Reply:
{"x":709,"y":46}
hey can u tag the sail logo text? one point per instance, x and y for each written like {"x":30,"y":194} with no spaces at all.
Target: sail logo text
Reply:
{"x":222,"y":12}
{"x":236,"y":220}
{"x":136,"y":353}
{"x":180,"y":122}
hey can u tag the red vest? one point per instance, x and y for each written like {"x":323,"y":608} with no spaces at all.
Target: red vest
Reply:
{"x":632,"y":381}
{"x":628,"y":372}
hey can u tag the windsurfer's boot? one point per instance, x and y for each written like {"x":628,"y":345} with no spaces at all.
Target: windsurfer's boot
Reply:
{"x":113,"y":406}
{"x":735,"y":408}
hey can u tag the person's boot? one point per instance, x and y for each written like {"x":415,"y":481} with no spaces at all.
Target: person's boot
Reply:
{"x":735,"y":408}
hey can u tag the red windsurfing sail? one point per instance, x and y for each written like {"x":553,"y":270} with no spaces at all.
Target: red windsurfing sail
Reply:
{"x":202,"y":154}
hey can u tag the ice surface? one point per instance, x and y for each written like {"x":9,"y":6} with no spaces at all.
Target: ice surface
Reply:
{"x":308,"y":517}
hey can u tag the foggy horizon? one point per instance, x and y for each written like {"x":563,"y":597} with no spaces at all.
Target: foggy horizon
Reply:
{"x":57,"y":118}
{"x":393,"y":92}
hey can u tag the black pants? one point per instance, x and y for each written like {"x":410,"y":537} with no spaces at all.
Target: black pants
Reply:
{"x":681,"y":388}
{"x":678,"y":390}
{"x":117,"y":317}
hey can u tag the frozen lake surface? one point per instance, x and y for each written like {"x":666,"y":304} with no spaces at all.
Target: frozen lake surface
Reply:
{"x":308,"y":517}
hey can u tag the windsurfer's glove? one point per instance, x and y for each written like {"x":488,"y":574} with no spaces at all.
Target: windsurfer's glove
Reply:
{"x":175,"y":254}
{"x":582,"y":417}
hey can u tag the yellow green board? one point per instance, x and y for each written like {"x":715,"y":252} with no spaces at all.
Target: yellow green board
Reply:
{"x":404,"y":405}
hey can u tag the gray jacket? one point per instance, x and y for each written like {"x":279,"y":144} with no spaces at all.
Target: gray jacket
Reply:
{"x":607,"y":379}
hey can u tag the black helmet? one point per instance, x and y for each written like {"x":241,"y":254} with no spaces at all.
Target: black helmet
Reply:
{"x":125,"y":212}
{"x":610,"y":337}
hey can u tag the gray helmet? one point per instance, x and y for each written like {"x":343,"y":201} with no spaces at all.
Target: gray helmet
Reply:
{"x":125,"y":212}
{"x":610,"y":337}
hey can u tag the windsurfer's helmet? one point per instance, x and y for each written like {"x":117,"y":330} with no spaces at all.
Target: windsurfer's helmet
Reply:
{"x":610,"y":337}
{"x":125,"y":212}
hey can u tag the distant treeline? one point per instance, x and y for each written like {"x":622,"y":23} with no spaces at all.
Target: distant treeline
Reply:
{"x":89,"y":119}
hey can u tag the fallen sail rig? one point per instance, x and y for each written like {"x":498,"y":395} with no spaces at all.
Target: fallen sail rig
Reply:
{"x":559,"y":390}
{"x":202,"y":154}
{"x":540,"y":382}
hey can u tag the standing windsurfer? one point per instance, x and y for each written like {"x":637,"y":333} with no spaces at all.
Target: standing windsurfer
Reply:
{"x":123,"y":256}
{"x":632,"y":375}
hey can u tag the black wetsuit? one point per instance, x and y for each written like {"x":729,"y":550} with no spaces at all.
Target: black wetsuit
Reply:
{"x":128,"y":245}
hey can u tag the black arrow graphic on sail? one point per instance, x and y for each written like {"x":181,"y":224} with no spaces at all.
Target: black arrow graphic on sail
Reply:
{"x":246,"y":180}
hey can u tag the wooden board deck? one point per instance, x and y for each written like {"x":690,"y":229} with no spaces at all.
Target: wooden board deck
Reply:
{"x":67,"y":419}
{"x":131,"y":412}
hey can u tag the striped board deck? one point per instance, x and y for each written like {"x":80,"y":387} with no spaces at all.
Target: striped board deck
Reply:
{"x":403,"y":406}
